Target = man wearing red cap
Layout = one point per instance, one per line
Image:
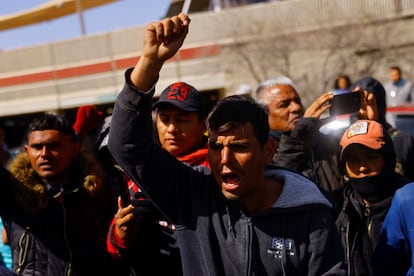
(368, 160)
(180, 116)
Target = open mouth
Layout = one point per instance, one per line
(230, 181)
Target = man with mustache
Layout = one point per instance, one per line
(282, 101)
(301, 147)
(240, 218)
(56, 205)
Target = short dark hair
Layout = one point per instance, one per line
(397, 68)
(345, 77)
(48, 121)
(235, 110)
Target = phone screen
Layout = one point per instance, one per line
(345, 103)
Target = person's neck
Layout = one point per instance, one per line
(57, 182)
(399, 82)
(265, 197)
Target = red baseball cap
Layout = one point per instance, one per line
(365, 132)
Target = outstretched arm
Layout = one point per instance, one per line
(161, 41)
(131, 133)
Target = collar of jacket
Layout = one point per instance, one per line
(196, 158)
(31, 192)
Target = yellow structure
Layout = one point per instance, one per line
(48, 11)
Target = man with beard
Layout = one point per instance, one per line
(56, 205)
(240, 218)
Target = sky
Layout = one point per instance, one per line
(105, 18)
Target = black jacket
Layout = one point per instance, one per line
(307, 151)
(359, 225)
(404, 150)
(57, 232)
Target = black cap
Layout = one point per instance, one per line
(183, 96)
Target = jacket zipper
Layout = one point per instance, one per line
(367, 213)
(68, 271)
(24, 242)
(249, 246)
(348, 249)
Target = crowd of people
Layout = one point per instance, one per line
(250, 187)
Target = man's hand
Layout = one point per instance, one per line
(131, 218)
(319, 106)
(368, 110)
(162, 40)
(126, 224)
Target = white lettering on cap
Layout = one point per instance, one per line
(358, 128)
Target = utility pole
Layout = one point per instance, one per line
(79, 11)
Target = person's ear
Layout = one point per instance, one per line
(270, 149)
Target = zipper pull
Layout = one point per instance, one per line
(367, 211)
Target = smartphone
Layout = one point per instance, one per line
(122, 185)
(345, 102)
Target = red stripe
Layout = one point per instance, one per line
(35, 77)
(77, 71)
(83, 70)
(193, 53)
(402, 108)
(125, 62)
